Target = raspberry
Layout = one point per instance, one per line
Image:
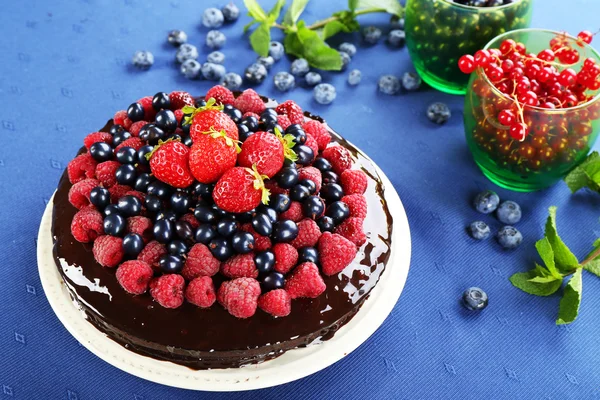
(201, 292)
(178, 118)
(190, 219)
(251, 114)
(152, 253)
(79, 194)
(119, 117)
(221, 94)
(286, 257)
(96, 137)
(134, 276)
(200, 262)
(142, 226)
(167, 290)
(105, 173)
(352, 229)
(249, 100)
(149, 111)
(318, 131)
(239, 296)
(275, 189)
(335, 253)
(118, 191)
(240, 266)
(312, 143)
(135, 128)
(313, 174)
(180, 100)
(305, 281)
(261, 243)
(283, 121)
(87, 225)
(81, 167)
(276, 302)
(357, 205)
(139, 195)
(339, 157)
(294, 213)
(354, 181)
(127, 123)
(134, 142)
(292, 110)
(108, 250)
(308, 234)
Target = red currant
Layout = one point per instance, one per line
(535, 87)
(548, 105)
(494, 72)
(594, 70)
(516, 73)
(570, 100)
(503, 87)
(520, 47)
(541, 130)
(538, 141)
(583, 129)
(518, 131)
(466, 64)
(482, 58)
(529, 98)
(526, 151)
(507, 46)
(593, 85)
(546, 153)
(507, 117)
(532, 70)
(559, 144)
(544, 74)
(523, 85)
(589, 62)
(508, 65)
(567, 77)
(585, 36)
(546, 55)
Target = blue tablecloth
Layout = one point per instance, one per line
(64, 71)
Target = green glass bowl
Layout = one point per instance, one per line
(438, 32)
(558, 139)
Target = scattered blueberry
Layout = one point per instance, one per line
(191, 69)
(177, 37)
(215, 39)
(299, 67)
(177, 247)
(267, 61)
(142, 59)
(479, 230)
(326, 224)
(354, 77)
(348, 48)
(272, 281)
(287, 178)
(212, 18)
(389, 84)
(265, 261)
(101, 151)
(411, 81)
(371, 34)
(135, 112)
(284, 81)
(163, 230)
(129, 206)
(242, 242)
(165, 120)
(276, 50)
(345, 60)
(220, 249)
(262, 224)
(232, 81)
(284, 231)
(308, 254)
(100, 197)
(132, 244)
(438, 113)
(486, 202)
(227, 227)
(509, 212)
(338, 211)
(324, 93)
(474, 299)
(213, 72)
(114, 224)
(255, 73)
(216, 57)
(126, 175)
(230, 12)
(331, 192)
(171, 264)
(396, 38)
(186, 52)
(312, 78)
(396, 22)
(205, 233)
(509, 237)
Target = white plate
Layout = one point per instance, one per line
(292, 365)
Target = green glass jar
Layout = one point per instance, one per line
(557, 139)
(438, 32)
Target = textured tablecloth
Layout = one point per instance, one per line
(64, 71)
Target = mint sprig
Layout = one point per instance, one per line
(559, 263)
(587, 174)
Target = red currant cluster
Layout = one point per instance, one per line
(516, 125)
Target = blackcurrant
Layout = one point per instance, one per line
(114, 225)
(233, 113)
(203, 190)
(177, 247)
(126, 175)
(284, 231)
(265, 261)
(205, 233)
(171, 264)
(167, 215)
(262, 224)
(116, 128)
(242, 242)
(313, 207)
(331, 192)
(100, 197)
(287, 177)
(132, 244)
(308, 254)
(165, 120)
(268, 211)
(338, 211)
(299, 136)
(110, 210)
(329, 177)
(152, 203)
(299, 193)
(120, 138)
(159, 189)
(205, 214)
(101, 151)
(163, 230)
(322, 164)
(161, 101)
(272, 281)
(280, 203)
(326, 224)
(227, 227)
(312, 187)
(180, 202)
(155, 134)
(141, 154)
(135, 112)
(305, 154)
(142, 182)
(184, 230)
(129, 206)
(251, 122)
(244, 132)
(220, 249)
(126, 155)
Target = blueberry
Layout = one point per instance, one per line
(161, 101)
(389, 84)
(180, 202)
(411, 81)
(100, 197)
(110, 210)
(348, 48)
(267, 61)
(212, 18)
(396, 38)
(213, 72)
(486, 202)
(371, 34)
(299, 67)
(244, 132)
(191, 69)
(142, 182)
(255, 73)
(305, 154)
(479, 230)
(126, 175)
(186, 52)
(166, 215)
(331, 192)
(220, 249)
(308, 254)
(297, 132)
(126, 155)
(279, 202)
(438, 113)
(474, 299)
(216, 57)
(299, 193)
(116, 128)
(268, 211)
(215, 40)
(272, 281)
(354, 77)
(205, 233)
(242, 242)
(509, 212)
(313, 207)
(163, 230)
(345, 60)
(177, 247)
(287, 178)
(322, 164)
(284, 81)
(171, 264)
(230, 12)
(262, 224)
(329, 177)
(129, 206)
(509, 237)
(159, 189)
(326, 224)
(232, 81)
(227, 227)
(101, 151)
(184, 230)
(312, 78)
(324, 93)
(276, 50)
(142, 59)
(114, 225)
(284, 231)
(251, 122)
(205, 214)
(177, 37)
(265, 261)
(165, 120)
(135, 112)
(396, 22)
(204, 190)
(338, 211)
(132, 244)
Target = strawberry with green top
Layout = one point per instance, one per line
(202, 119)
(212, 154)
(240, 189)
(169, 163)
(267, 151)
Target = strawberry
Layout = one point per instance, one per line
(240, 190)
(180, 100)
(249, 101)
(211, 155)
(292, 110)
(267, 151)
(207, 118)
(169, 163)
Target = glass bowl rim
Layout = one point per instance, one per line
(480, 9)
(536, 108)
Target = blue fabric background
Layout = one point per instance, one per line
(64, 72)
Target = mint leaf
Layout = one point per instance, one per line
(293, 45)
(260, 39)
(249, 25)
(332, 28)
(276, 10)
(526, 281)
(586, 174)
(255, 10)
(389, 6)
(593, 267)
(352, 4)
(293, 13)
(316, 51)
(565, 260)
(569, 304)
(545, 251)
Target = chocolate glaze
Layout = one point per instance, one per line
(212, 338)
